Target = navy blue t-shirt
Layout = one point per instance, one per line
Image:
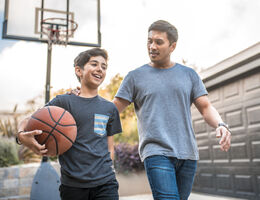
(87, 163)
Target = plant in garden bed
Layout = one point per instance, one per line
(8, 152)
(127, 158)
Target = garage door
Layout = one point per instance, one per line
(237, 172)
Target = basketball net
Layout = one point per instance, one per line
(58, 33)
(55, 36)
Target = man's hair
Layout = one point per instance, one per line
(85, 56)
(164, 26)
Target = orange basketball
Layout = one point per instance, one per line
(58, 127)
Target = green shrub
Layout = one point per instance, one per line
(8, 152)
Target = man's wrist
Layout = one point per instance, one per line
(17, 137)
(224, 125)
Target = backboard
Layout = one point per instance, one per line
(23, 20)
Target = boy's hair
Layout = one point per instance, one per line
(85, 56)
(164, 26)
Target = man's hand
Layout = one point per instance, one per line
(225, 138)
(75, 91)
(28, 139)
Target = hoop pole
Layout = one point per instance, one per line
(48, 74)
(48, 83)
(68, 9)
(99, 22)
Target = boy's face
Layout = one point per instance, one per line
(94, 72)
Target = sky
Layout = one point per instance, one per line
(209, 32)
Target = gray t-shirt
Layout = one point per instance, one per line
(87, 163)
(162, 100)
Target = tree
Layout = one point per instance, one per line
(128, 117)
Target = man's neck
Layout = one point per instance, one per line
(88, 92)
(162, 65)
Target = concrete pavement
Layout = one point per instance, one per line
(193, 196)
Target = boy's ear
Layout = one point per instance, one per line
(78, 71)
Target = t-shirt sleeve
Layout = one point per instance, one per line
(55, 102)
(126, 90)
(114, 124)
(199, 88)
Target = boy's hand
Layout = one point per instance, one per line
(28, 139)
(225, 135)
(75, 91)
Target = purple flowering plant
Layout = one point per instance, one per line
(127, 158)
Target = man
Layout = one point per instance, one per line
(162, 92)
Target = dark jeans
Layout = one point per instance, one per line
(170, 178)
(108, 191)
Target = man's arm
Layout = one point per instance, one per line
(28, 139)
(121, 104)
(212, 117)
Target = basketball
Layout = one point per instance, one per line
(58, 127)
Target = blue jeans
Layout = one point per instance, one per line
(170, 178)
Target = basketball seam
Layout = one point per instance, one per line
(55, 139)
(60, 118)
(54, 128)
(51, 127)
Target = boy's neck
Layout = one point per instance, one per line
(88, 92)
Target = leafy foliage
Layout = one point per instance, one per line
(128, 117)
(8, 127)
(34, 104)
(27, 155)
(59, 92)
(127, 158)
(8, 152)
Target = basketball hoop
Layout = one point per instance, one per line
(58, 30)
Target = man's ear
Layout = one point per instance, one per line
(173, 46)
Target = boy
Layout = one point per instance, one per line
(86, 168)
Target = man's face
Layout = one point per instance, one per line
(94, 72)
(159, 47)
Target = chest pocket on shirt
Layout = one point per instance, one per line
(100, 124)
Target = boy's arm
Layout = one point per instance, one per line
(28, 139)
(110, 142)
(121, 104)
(212, 117)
